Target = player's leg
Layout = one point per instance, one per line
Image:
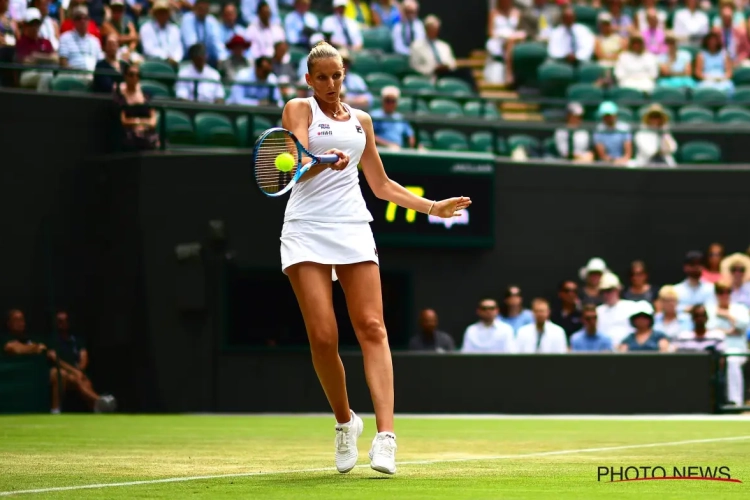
(364, 300)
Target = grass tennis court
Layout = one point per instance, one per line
(292, 457)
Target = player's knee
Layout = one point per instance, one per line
(371, 329)
(323, 339)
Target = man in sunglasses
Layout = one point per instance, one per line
(589, 339)
(567, 311)
(391, 130)
(79, 49)
(693, 291)
(489, 334)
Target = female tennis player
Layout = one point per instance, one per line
(326, 235)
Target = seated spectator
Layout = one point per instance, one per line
(573, 137)
(110, 70)
(736, 268)
(385, 13)
(408, 29)
(670, 320)
(729, 317)
(431, 56)
(344, 30)
(198, 81)
(137, 116)
(589, 339)
(300, 24)
(636, 68)
(609, 43)
(230, 25)
(653, 142)
(359, 11)
(539, 19)
(690, 24)
(693, 291)
(263, 33)
(79, 49)
(429, 337)
(733, 36)
(613, 141)
(302, 68)
(713, 68)
(34, 50)
(614, 313)
(654, 35)
(391, 130)
(257, 86)
(736, 16)
(69, 23)
(676, 66)
(639, 288)
(639, 20)
(138, 8)
(714, 256)
(512, 311)
(122, 27)
(236, 61)
(284, 71)
(644, 338)
(201, 27)
(503, 33)
(591, 276)
(541, 336)
(621, 21)
(488, 335)
(8, 28)
(160, 39)
(571, 42)
(50, 28)
(567, 311)
(249, 10)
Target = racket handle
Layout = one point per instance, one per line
(328, 158)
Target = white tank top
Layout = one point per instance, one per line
(331, 196)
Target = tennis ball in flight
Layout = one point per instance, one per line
(284, 162)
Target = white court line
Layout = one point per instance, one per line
(503, 416)
(331, 469)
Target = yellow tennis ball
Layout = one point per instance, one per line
(284, 162)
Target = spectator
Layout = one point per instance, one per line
(613, 141)
(385, 13)
(201, 27)
(653, 142)
(122, 27)
(160, 39)
(488, 335)
(571, 42)
(693, 291)
(734, 37)
(137, 117)
(302, 68)
(676, 66)
(344, 31)
(50, 28)
(644, 338)
(539, 19)
(230, 25)
(639, 288)
(79, 49)
(541, 336)
(591, 276)
(690, 24)
(736, 268)
(34, 50)
(736, 17)
(614, 314)
(257, 86)
(69, 23)
(198, 81)
(391, 130)
(670, 320)
(17, 10)
(354, 91)
(284, 71)
(503, 33)
(236, 61)
(654, 34)
(300, 24)
(636, 68)
(249, 10)
(639, 20)
(8, 28)
(512, 311)
(263, 33)
(567, 312)
(110, 70)
(714, 256)
(573, 137)
(589, 339)
(430, 338)
(609, 43)
(621, 21)
(409, 29)
(713, 68)
(431, 56)
(138, 8)
(359, 11)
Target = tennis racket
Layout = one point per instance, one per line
(273, 142)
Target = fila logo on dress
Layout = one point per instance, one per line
(359, 129)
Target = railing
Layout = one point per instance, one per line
(721, 381)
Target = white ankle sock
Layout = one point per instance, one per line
(387, 434)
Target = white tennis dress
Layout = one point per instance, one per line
(326, 219)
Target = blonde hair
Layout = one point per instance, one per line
(322, 50)
(668, 292)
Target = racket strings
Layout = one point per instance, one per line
(269, 178)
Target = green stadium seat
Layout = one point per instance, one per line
(699, 152)
(695, 114)
(554, 78)
(410, 105)
(377, 39)
(452, 140)
(642, 111)
(502, 147)
(733, 114)
(64, 83)
(395, 64)
(445, 107)
(669, 96)
(590, 72)
(527, 57)
(709, 97)
(530, 143)
(155, 89)
(625, 114)
(260, 125)
(481, 142)
(454, 86)
(364, 63)
(214, 129)
(587, 15)
(179, 128)
(159, 71)
(625, 95)
(476, 109)
(549, 147)
(741, 95)
(584, 92)
(377, 81)
(296, 54)
(741, 76)
(417, 84)
(424, 138)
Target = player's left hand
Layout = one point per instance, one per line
(450, 207)
(343, 159)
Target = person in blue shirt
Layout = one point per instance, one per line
(201, 27)
(613, 140)
(589, 339)
(693, 290)
(230, 26)
(391, 130)
(644, 338)
(265, 92)
(512, 311)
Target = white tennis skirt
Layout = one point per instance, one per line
(327, 243)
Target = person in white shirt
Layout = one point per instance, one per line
(653, 143)
(637, 68)
(160, 38)
(300, 24)
(263, 34)
(264, 94)
(693, 290)
(408, 29)
(344, 31)
(78, 48)
(488, 335)
(690, 24)
(575, 136)
(614, 314)
(542, 336)
(431, 56)
(206, 84)
(571, 42)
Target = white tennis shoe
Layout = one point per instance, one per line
(383, 453)
(346, 443)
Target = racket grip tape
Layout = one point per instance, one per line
(328, 158)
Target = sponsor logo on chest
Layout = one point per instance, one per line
(324, 129)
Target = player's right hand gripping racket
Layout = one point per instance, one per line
(272, 143)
